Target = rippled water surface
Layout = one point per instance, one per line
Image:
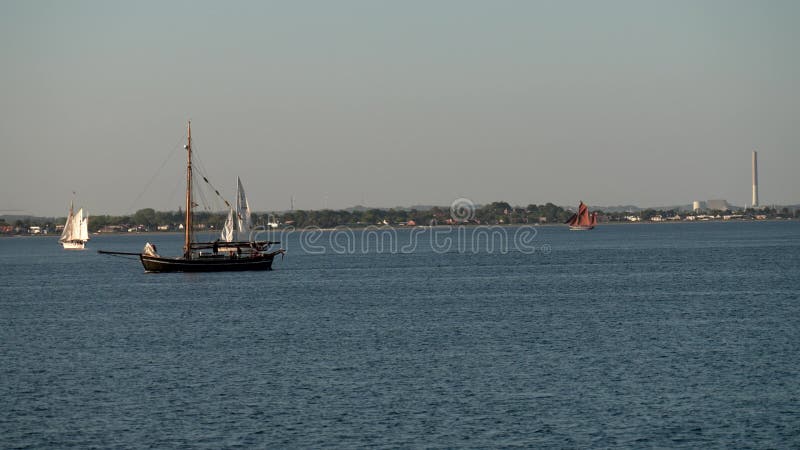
(630, 335)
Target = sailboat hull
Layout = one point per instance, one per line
(73, 245)
(581, 228)
(207, 264)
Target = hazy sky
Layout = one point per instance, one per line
(339, 103)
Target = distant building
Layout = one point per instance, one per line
(697, 205)
(717, 205)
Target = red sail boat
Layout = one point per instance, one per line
(582, 220)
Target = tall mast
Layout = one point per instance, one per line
(187, 239)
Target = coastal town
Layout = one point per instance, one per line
(496, 213)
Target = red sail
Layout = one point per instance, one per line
(572, 220)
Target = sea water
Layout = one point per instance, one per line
(661, 335)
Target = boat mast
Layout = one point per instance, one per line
(187, 239)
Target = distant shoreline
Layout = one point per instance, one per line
(391, 227)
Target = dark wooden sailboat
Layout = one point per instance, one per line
(249, 256)
(206, 256)
(582, 220)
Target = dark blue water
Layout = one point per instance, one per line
(674, 335)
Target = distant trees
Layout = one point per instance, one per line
(99, 222)
(548, 212)
(146, 217)
(495, 212)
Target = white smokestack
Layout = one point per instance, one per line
(755, 179)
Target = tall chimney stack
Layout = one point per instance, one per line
(755, 179)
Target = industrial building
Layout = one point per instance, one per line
(717, 205)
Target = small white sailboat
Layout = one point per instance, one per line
(76, 230)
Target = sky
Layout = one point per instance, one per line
(402, 103)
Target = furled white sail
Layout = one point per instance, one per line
(227, 230)
(242, 208)
(150, 250)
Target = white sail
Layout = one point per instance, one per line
(66, 235)
(227, 230)
(84, 236)
(77, 219)
(242, 209)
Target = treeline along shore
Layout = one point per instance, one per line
(495, 213)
